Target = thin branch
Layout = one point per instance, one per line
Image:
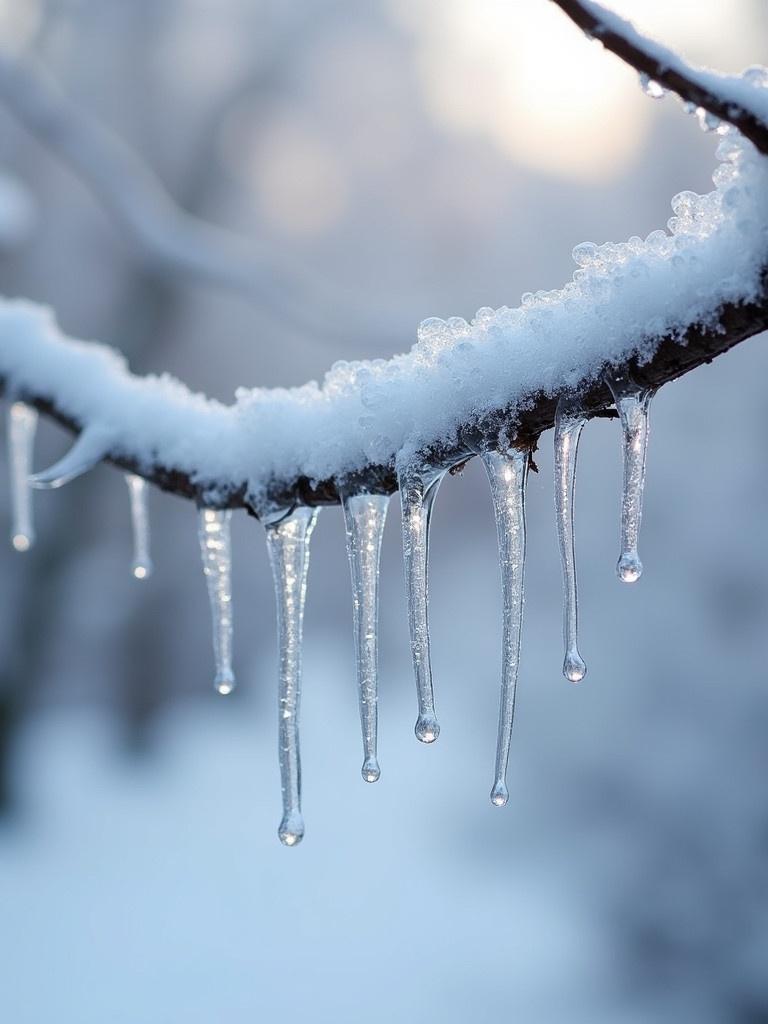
(725, 96)
(171, 241)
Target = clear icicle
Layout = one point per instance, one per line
(216, 550)
(138, 492)
(633, 405)
(418, 488)
(22, 423)
(569, 422)
(288, 546)
(508, 475)
(364, 518)
(87, 451)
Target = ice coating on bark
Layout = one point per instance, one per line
(364, 519)
(569, 422)
(418, 489)
(138, 493)
(22, 424)
(633, 406)
(507, 474)
(216, 551)
(288, 546)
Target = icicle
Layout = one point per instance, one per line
(22, 423)
(418, 488)
(508, 475)
(138, 493)
(364, 518)
(632, 404)
(288, 546)
(216, 549)
(87, 451)
(569, 421)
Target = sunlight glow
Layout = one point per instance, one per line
(521, 75)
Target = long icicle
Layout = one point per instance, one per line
(138, 492)
(216, 551)
(364, 519)
(508, 475)
(418, 488)
(569, 422)
(22, 424)
(633, 406)
(288, 546)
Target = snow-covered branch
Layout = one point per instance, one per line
(729, 98)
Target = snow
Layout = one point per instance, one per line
(622, 298)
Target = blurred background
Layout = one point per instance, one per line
(371, 165)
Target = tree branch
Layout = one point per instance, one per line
(727, 97)
(710, 326)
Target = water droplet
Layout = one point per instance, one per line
(291, 830)
(651, 87)
(500, 794)
(427, 728)
(370, 770)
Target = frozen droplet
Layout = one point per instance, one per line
(756, 75)
(418, 488)
(569, 422)
(499, 794)
(288, 547)
(633, 406)
(22, 424)
(87, 451)
(651, 87)
(138, 492)
(708, 122)
(216, 551)
(364, 519)
(507, 474)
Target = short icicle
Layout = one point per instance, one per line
(418, 488)
(138, 491)
(364, 518)
(632, 405)
(22, 424)
(216, 551)
(508, 474)
(86, 453)
(288, 546)
(569, 422)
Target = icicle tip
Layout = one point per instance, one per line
(574, 668)
(629, 568)
(142, 570)
(21, 541)
(427, 729)
(224, 683)
(499, 794)
(291, 830)
(370, 770)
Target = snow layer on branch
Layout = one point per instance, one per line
(746, 90)
(623, 298)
